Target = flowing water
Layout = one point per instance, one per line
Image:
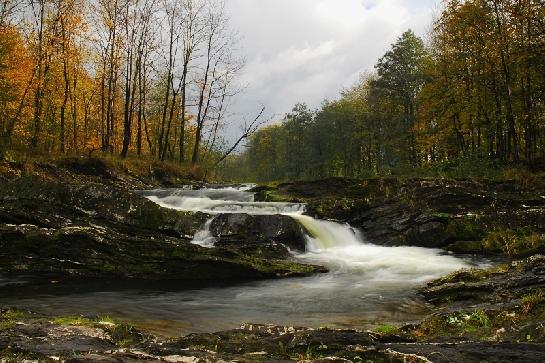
(367, 284)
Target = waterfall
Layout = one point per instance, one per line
(218, 201)
(325, 235)
(204, 237)
(338, 246)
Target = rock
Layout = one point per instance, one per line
(471, 352)
(259, 229)
(481, 312)
(48, 204)
(422, 212)
(89, 252)
(327, 360)
(80, 339)
(94, 229)
(502, 284)
(330, 345)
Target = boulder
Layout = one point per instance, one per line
(503, 284)
(245, 229)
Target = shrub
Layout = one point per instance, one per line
(513, 243)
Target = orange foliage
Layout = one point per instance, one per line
(16, 69)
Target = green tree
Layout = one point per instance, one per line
(400, 79)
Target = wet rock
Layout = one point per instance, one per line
(471, 352)
(89, 252)
(48, 204)
(327, 360)
(259, 229)
(26, 334)
(96, 229)
(330, 345)
(422, 212)
(503, 284)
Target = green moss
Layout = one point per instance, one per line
(472, 237)
(9, 317)
(277, 196)
(122, 335)
(386, 329)
(471, 275)
(74, 320)
(465, 247)
(280, 267)
(442, 215)
(12, 314)
(467, 228)
(478, 319)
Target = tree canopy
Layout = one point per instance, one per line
(150, 78)
(475, 92)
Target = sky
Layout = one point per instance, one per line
(309, 50)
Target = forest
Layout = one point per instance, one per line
(469, 98)
(149, 78)
(154, 79)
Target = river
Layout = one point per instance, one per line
(367, 284)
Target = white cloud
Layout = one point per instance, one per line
(308, 50)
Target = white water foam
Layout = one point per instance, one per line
(216, 201)
(204, 237)
(343, 248)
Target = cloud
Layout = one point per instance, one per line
(308, 50)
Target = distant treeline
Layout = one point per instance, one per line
(476, 92)
(150, 78)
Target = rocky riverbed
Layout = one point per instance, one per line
(78, 219)
(493, 315)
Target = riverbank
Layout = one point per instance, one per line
(81, 219)
(493, 315)
(487, 217)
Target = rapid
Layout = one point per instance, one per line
(338, 246)
(367, 285)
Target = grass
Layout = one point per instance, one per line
(530, 301)
(514, 243)
(469, 322)
(312, 352)
(9, 317)
(478, 324)
(103, 163)
(124, 335)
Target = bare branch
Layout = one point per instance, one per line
(248, 131)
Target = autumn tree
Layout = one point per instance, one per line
(16, 78)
